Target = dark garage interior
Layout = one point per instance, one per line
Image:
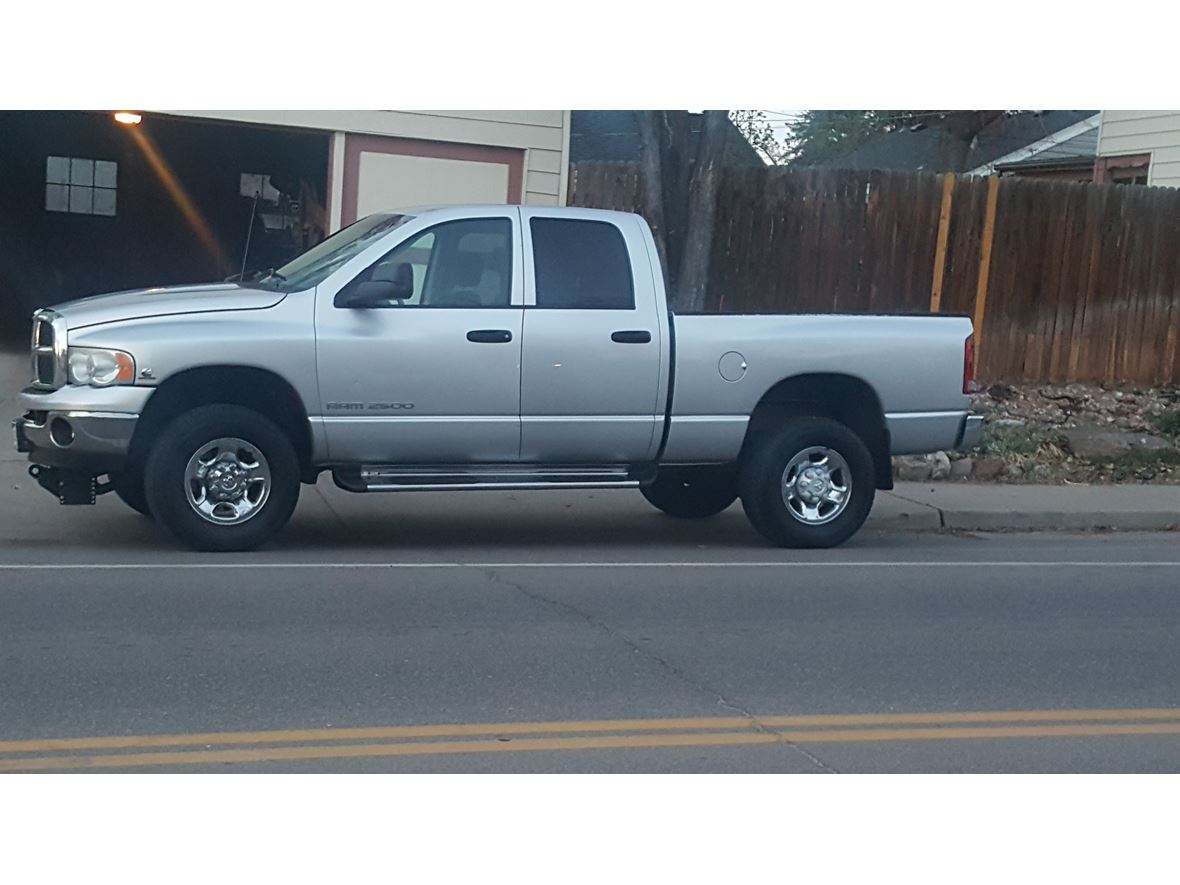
(89, 205)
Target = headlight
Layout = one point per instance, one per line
(100, 368)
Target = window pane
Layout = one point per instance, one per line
(57, 170)
(318, 262)
(581, 265)
(57, 198)
(82, 200)
(104, 201)
(105, 173)
(455, 264)
(471, 265)
(415, 253)
(81, 171)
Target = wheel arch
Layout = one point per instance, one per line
(255, 388)
(848, 399)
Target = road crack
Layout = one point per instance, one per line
(934, 507)
(340, 519)
(672, 669)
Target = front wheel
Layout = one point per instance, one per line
(691, 492)
(128, 486)
(807, 483)
(222, 478)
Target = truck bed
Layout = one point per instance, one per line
(914, 364)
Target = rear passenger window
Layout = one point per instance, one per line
(581, 265)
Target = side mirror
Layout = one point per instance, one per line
(368, 294)
(398, 286)
(403, 281)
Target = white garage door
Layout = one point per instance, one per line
(380, 173)
(389, 181)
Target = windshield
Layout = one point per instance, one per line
(314, 265)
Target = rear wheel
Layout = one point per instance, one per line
(808, 483)
(222, 478)
(692, 492)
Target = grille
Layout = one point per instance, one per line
(44, 333)
(45, 366)
(48, 350)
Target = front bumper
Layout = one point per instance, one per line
(971, 433)
(101, 419)
(84, 441)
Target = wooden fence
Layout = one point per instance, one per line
(1066, 282)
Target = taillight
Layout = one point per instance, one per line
(969, 364)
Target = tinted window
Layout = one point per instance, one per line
(455, 264)
(581, 265)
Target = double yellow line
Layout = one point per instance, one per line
(219, 748)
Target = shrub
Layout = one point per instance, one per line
(1016, 441)
(1168, 423)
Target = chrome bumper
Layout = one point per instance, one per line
(82, 440)
(971, 433)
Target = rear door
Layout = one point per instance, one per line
(593, 341)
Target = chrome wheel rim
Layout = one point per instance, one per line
(227, 481)
(816, 485)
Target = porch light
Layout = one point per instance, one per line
(127, 118)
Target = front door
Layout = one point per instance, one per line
(432, 378)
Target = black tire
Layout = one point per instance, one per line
(128, 486)
(692, 492)
(761, 476)
(164, 477)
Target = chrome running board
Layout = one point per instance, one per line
(505, 477)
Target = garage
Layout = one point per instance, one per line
(99, 201)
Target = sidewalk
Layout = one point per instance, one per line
(997, 507)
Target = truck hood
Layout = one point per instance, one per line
(165, 301)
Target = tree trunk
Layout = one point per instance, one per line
(693, 278)
(677, 149)
(651, 175)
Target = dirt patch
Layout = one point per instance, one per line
(1068, 433)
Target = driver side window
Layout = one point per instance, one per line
(455, 264)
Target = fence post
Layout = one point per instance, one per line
(985, 261)
(944, 228)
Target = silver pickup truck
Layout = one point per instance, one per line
(493, 347)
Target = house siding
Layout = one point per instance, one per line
(542, 135)
(1144, 132)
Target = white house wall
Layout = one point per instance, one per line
(543, 135)
(1144, 132)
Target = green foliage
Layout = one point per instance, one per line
(758, 131)
(1017, 441)
(1143, 464)
(816, 135)
(1168, 423)
(819, 135)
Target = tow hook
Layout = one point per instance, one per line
(68, 486)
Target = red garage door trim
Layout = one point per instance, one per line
(354, 145)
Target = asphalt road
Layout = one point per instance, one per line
(576, 632)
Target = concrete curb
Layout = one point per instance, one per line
(893, 513)
(990, 507)
(969, 520)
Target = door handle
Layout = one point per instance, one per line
(631, 337)
(489, 336)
